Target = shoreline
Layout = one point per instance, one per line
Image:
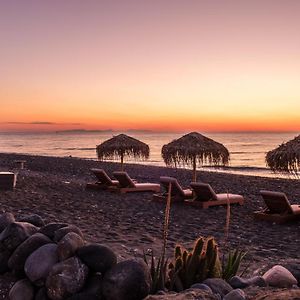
(236, 170)
(54, 188)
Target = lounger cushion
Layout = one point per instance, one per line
(103, 178)
(124, 179)
(203, 191)
(231, 197)
(276, 202)
(176, 189)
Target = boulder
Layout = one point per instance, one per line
(50, 229)
(60, 233)
(17, 260)
(41, 294)
(4, 257)
(128, 279)
(294, 268)
(218, 286)
(66, 278)
(5, 219)
(22, 290)
(15, 233)
(237, 294)
(91, 290)
(34, 219)
(40, 262)
(201, 286)
(97, 257)
(239, 283)
(68, 245)
(278, 276)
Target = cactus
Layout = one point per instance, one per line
(195, 266)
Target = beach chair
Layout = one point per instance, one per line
(178, 194)
(127, 184)
(103, 180)
(278, 210)
(205, 196)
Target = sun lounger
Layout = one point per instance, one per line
(204, 196)
(103, 180)
(178, 194)
(279, 210)
(126, 184)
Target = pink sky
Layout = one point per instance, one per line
(176, 65)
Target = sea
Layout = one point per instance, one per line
(247, 150)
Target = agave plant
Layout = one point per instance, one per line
(231, 264)
(158, 271)
(195, 266)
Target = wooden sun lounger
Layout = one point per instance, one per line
(279, 210)
(205, 196)
(103, 180)
(126, 184)
(178, 194)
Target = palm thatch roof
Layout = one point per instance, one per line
(195, 147)
(122, 145)
(286, 157)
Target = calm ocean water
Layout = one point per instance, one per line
(247, 150)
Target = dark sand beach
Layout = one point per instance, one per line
(54, 188)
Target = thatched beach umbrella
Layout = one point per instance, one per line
(194, 148)
(120, 146)
(286, 157)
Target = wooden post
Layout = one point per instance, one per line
(194, 169)
(122, 158)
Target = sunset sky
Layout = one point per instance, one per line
(147, 64)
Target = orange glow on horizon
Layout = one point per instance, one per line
(170, 66)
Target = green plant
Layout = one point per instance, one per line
(232, 263)
(195, 266)
(158, 271)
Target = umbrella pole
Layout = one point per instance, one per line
(194, 170)
(122, 167)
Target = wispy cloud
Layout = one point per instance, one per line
(39, 123)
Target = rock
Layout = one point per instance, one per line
(15, 233)
(239, 283)
(97, 257)
(190, 294)
(34, 219)
(4, 257)
(68, 245)
(218, 286)
(41, 294)
(237, 294)
(201, 286)
(294, 268)
(17, 260)
(60, 233)
(5, 219)
(22, 290)
(91, 290)
(128, 279)
(40, 262)
(83, 296)
(278, 276)
(50, 229)
(66, 278)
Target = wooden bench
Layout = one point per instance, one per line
(7, 180)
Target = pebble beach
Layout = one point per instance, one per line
(54, 188)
